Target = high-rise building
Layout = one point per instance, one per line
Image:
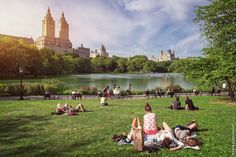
(48, 40)
(164, 56)
(102, 52)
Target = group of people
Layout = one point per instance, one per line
(159, 93)
(176, 104)
(68, 109)
(116, 92)
(181, 136)
(76, 95)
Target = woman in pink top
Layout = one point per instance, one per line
(149, 121)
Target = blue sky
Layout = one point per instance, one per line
(125, 27)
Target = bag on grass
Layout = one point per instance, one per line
(138, 137)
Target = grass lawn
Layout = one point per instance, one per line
(28, 129)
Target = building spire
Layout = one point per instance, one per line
(48, 13)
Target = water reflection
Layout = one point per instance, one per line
(138, 81)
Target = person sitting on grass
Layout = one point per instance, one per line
(149, 124)
(149, 121)
(189, 104)
(176, 105)
(80, 108)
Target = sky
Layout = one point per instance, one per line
(125, 27)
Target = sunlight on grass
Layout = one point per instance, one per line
(28, 128)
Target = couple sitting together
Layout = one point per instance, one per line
(176, 104)
(68, 109)
(178, 138)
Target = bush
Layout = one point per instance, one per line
(2, 89)
(84, 90)
(174, 88)
(54, 86)
(13, 89)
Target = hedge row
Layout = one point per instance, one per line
(39, 88)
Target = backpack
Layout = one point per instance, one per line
(138, 137)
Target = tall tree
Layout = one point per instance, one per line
(218, 27)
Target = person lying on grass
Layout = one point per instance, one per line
(186, 134)
(68, 109)
(59, 110)
(80, 108)
(72, 111)
(165, 138)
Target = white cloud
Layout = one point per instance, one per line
(188, 46)
(151, 25)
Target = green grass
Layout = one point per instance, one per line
(28, 129)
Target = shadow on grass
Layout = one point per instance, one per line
(14, 133)
(14, 129)
(22, 136)
(223, 100)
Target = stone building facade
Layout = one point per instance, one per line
(164, 56)
(48, 40)
(82, 51)
(102, 52)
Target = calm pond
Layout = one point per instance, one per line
(138, 81)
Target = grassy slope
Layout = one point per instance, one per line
(28, 129)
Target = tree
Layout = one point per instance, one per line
(149, 66)
(163, 66)
(121, 65)
(217, 25)
(136, 63)
(83, 65)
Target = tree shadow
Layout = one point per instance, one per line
(15, 130)
(17, 138)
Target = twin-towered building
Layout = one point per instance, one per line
(49, 40)
(61, 44)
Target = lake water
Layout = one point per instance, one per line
(138, 81)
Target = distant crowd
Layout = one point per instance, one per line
(115, 92)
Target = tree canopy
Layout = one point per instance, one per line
(217, 25)
(44, 62)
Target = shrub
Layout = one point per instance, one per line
(175, 88)
(53, 86)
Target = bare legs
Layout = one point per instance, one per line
(80, 108)
(166, 126)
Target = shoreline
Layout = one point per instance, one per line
(84, 97)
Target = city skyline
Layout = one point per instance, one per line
(125, 27)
